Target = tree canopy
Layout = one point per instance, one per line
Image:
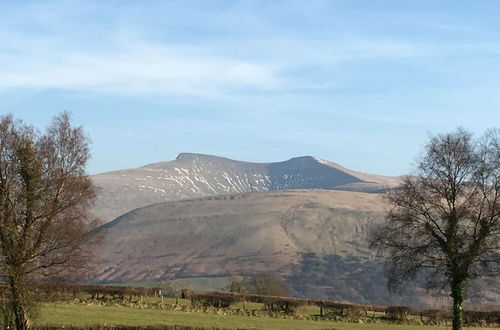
(44, 201)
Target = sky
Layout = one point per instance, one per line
(360, 83)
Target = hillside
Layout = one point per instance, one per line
(317, 239)
(196, 175)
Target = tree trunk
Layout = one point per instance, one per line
(457, 293)
(19, 310)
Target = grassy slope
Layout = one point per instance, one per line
(78, 315)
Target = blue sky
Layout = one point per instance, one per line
(360, 83)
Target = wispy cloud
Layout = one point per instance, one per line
(143, 66)
(129, 56)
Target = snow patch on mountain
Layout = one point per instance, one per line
(197, 175)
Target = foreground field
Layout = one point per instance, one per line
(58, 314)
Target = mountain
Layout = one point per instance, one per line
(202, 216)
(196, 175)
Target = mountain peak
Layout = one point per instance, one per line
(190, 156)
(303, 158)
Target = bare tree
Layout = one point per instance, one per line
(235, 283)
(266, 283)
(445, 220)
(44, 202)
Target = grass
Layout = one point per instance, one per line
(80, 315)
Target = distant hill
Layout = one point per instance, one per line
(196, 175)
(317, 239)
(238, 233)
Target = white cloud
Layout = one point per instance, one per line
(135, 67)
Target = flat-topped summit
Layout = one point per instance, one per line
(187, 156)
(193, 175)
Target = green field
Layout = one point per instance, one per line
(60, 314)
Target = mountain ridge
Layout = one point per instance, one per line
(193, 175)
